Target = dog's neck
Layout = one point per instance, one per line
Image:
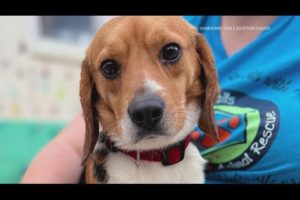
(169, 155)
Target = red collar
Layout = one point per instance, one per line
(168, 156)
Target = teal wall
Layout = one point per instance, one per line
(20, 141)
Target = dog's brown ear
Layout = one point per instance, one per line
(88, 98)
(209, 80)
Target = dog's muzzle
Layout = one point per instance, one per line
(146, 111)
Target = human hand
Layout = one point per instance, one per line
(60, 160)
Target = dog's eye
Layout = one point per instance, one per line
(110, 68)
(170, 53)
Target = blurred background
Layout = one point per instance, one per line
(40, 60)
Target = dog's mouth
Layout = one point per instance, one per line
(142, 135)
(150, 137)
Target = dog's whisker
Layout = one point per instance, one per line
(176, 105)
(113, 127)
(188, 109)
(178, 113)
(185, 119)
(179, 118)
(108, 123)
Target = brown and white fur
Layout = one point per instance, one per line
(188, 89)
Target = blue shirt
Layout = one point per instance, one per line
(258, 110)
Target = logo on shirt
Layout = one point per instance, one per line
(247, 127)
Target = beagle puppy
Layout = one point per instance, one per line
(148, 80)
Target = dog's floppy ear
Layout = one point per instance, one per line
(88, 98)
(209, 80)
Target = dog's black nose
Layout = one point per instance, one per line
(146, 111)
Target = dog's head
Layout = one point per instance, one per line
(148, 81)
